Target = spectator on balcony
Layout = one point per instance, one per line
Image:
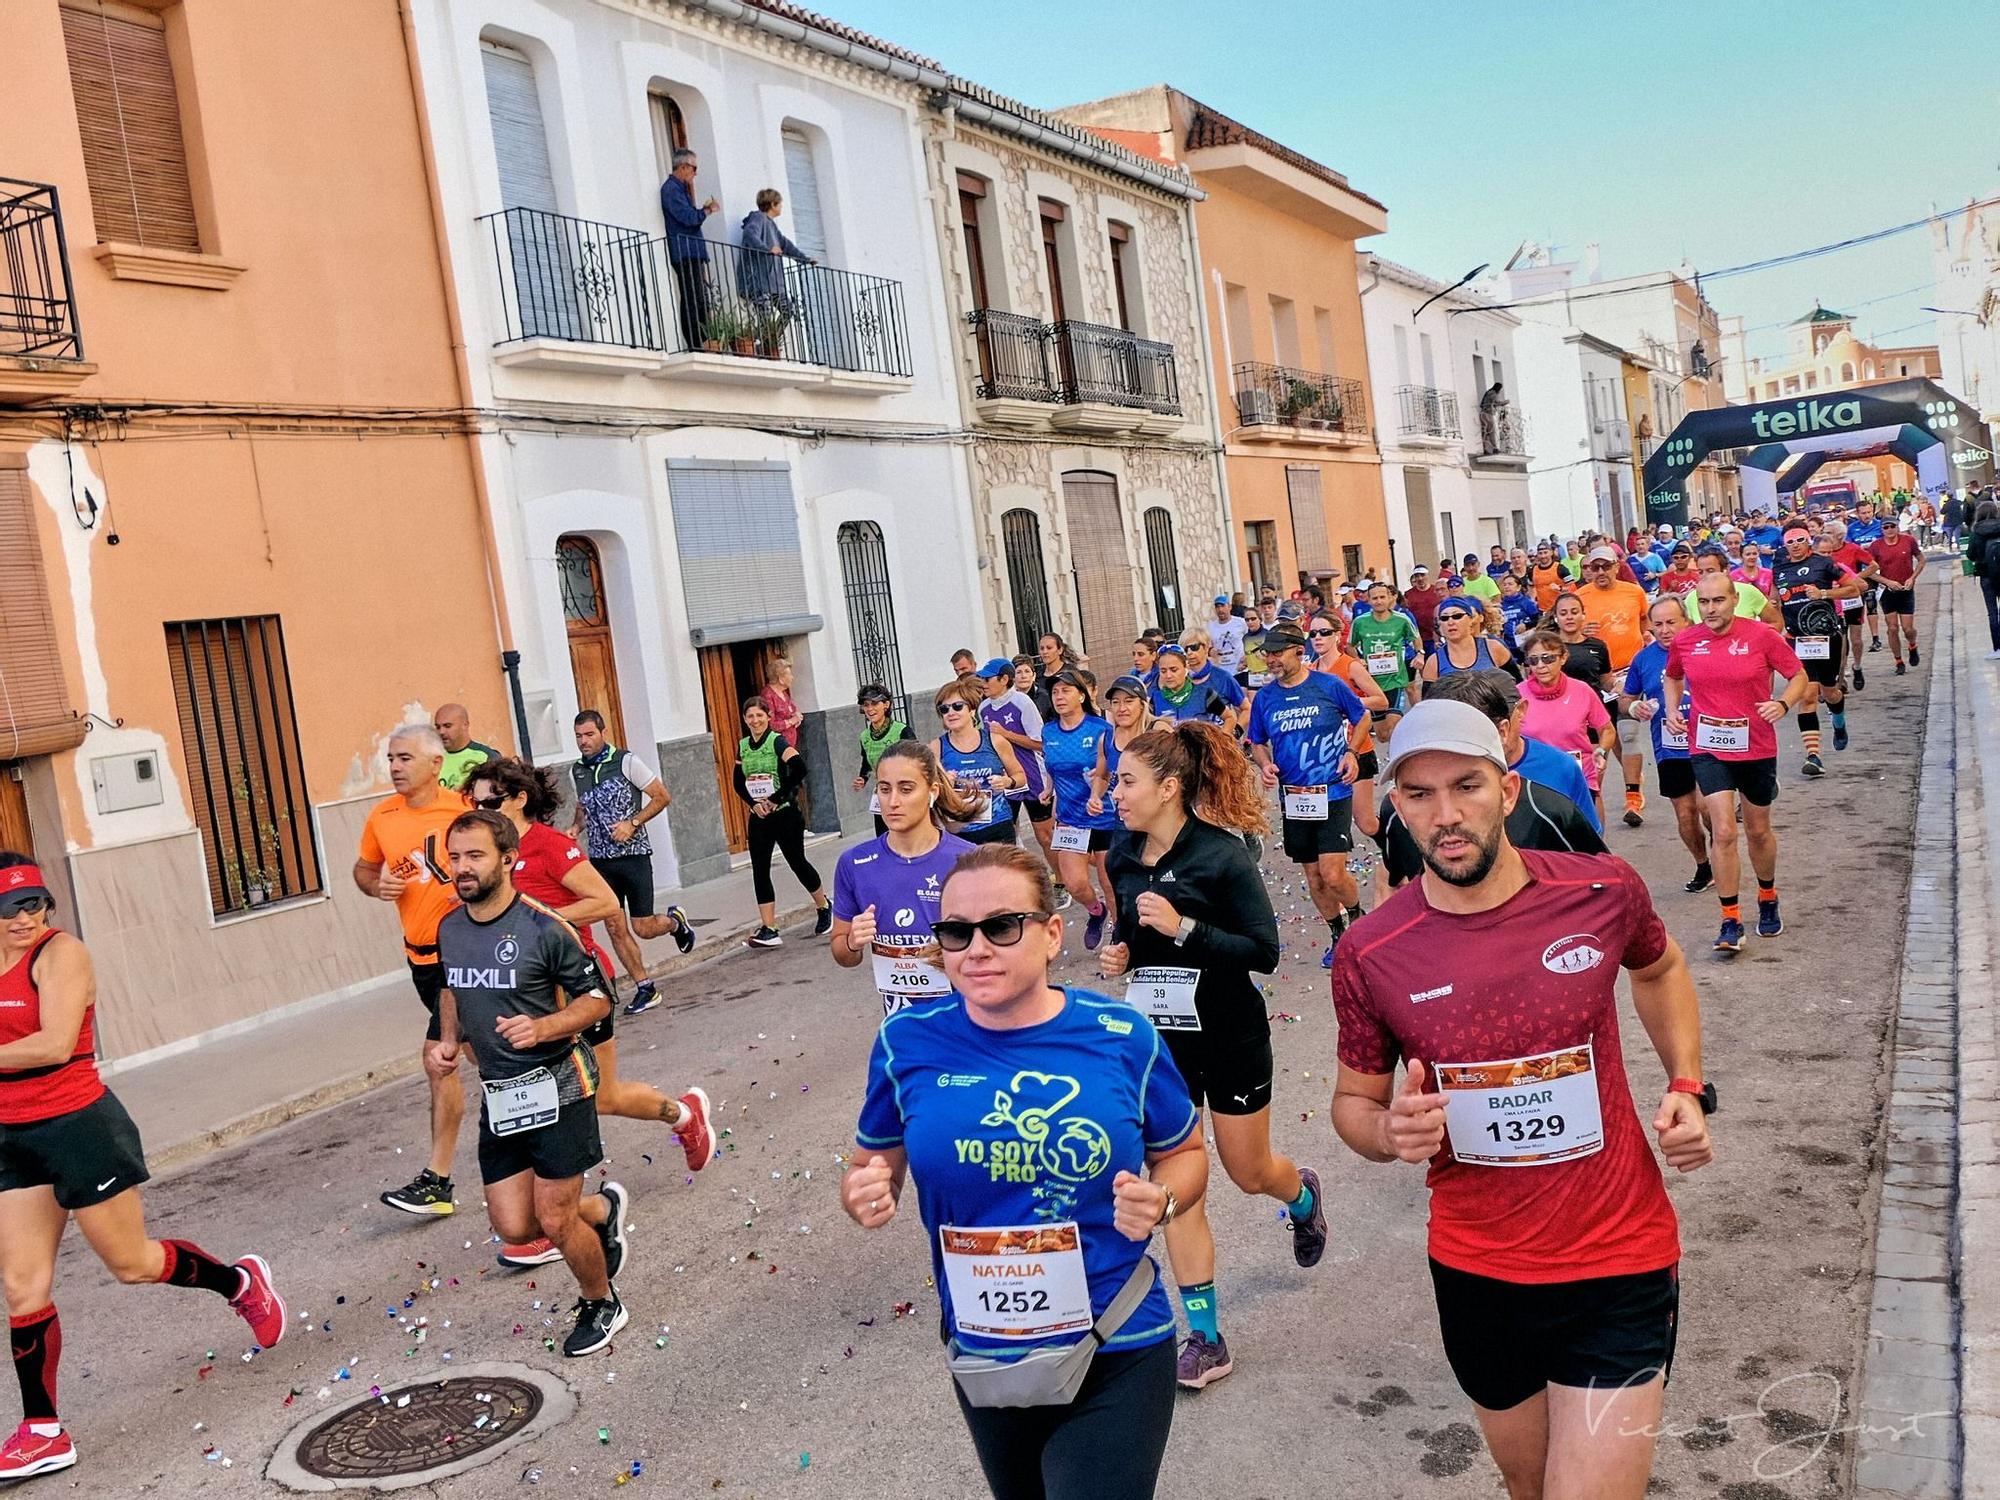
(760, 274)
(687, 250)
(1496, 414)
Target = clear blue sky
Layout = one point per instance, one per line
(1724, 131)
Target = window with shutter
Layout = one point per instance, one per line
(1101, 565)
(520, 144)
(35, 713)
(736, 525)
(802, 204)
(129, 116)
(1309, 539)
(670, 131)
(1027, 582)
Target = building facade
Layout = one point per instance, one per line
(1823, 353)
(239, 530)
(702, 459)
(1965, 297)
(1277, 233)
(1454, 431)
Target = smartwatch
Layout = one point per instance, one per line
(1184, 932)
(1705, 1092)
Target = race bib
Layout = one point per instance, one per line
(1524, 1112)
(1166, 995)
(905, 975)
(1021, 1282)
(1384, 663)
(1671, 741)
(1306, 804)
(1721, 734)
(525, 1103)
(1070, 840)
(1812, 648)
(1257, 679)
(760, 788)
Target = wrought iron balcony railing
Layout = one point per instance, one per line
(1070, 363)
(1426, 411)
(37, 302)
(1014, 360)
(1267, 394)
(1503, 432)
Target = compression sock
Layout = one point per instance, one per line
(1198, 1302)
(1767, 891)
(1301, 1207)
(1352, 915)
(190, 1265)
(1809, 732)
(37, 1341)
(1839, 716)
(1732, 908)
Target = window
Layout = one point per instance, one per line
(1236, 322)
(1100, 563)
(246, 786)
(1520, 528)
(1428, 359)
(1499, 374)
(1450, 537)
(1479, 373)
(871, 611)
(971, 201)
(1052, 258)
(1260, 542)
(802, 198)
(1027, 584)
(1121, 270)
(35, 715)
(1284, 332)
(1812, 381)
(129, 114)
(1309, 538)
(1329, 359)
(1423, 517)
(1400, 337)
(1166, 569)
(1350, 562)
(737, 529)
(1846, 370)
(670, 129)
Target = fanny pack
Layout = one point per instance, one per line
(1050, 1376)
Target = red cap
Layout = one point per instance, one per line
(20, 884)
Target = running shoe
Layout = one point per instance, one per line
(1840, 736)
(1899, 669)
(1309, 1237)
(1326, 958)
(1063, 898)
(1635, 804)
(1202, 1362)
(1814, 767)
(1915, 660)
(1875, 643)
(259, 1304)
(27, 1453)
(1730, 939)
(693, 1132)
(537, 1252)
(823, 920)
(1860, 679)
(683, 929)
(598, 1320)
(644, 998)
(1701, 880)
(1093, 930)
(612, 1231)
(427, 1193)
(1769, 923)
(764, 937)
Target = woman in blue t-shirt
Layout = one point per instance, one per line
(977, 762)
(1050, 1136)
(1070, 745)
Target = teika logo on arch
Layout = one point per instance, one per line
(1805, 417)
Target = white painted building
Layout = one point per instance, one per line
(1582, 477)
(690, 468)
(1965, 297)
(1454, 473)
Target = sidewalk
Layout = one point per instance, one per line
(223, 1091)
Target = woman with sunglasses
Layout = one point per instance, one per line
(551, 871)
(1195, 923)
(769, 774)
(1565, 713)
(880, 728)
(1077, 1142)
(1178, 697)
(1459, 649)
(1072, 749)
(977, 762)
(885, 891)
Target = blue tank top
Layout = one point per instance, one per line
(971, 768)
(1071, 756)
(1482, 659)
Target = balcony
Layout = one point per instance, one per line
(1426, 416)
(599, 298)
(1072, 376)
(1613, 437)
(1503, 439)
(41, 345)
(1279, 403)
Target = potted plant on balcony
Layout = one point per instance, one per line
(718, 330)
(773, 318)
(1330, 413)
(1299, 399)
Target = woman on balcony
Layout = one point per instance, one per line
(760, 271)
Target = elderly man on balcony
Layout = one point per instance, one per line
(687, 250)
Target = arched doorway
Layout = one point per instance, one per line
(593, 662)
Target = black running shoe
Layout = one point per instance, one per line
(1309, 1234)
(1915, 660)
(764, 937)
(1899, 669)
(823, 920)
(1840, 736)
(1860, 679)
(1813, 767)
(1875, 643)
(683, 929)
(598, 1320)
(612, 1230)
(1701, 880)
(427, 1194)
(644, 998)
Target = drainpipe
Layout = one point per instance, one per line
(510, 659)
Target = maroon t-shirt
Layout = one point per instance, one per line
(1897, 559)
(1535, 976)
(1422, 603)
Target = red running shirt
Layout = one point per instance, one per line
(545, 856)
(1537, 974)
(1897, 559)
(1727, 676)
(43, 1093)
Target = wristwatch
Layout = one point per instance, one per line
(1173, 1207)
(1184, 932)
(1705, 1092)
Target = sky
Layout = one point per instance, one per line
(1721, 133)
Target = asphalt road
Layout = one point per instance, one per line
(787, 1371)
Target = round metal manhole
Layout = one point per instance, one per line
(423, 1431)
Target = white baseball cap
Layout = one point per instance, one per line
(1447, 725)
(1603, 554)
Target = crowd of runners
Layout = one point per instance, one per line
(1440, 760)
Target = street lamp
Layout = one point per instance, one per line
(1469, 275)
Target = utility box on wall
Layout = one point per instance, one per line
(124, 782)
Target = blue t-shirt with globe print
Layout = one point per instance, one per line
(1025, 1128)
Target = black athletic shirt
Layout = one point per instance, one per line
(1588, 661)
(1542, 819)
(1790, 580)
(525, 962)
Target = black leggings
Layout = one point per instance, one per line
(1990, 590)
(1105, 1445)
(785, 831)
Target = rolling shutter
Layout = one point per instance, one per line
(1102, 566)
(134, 155)
(35, 714)
(1309, 538)
(737, 530)
(520, 144)
(802, 194)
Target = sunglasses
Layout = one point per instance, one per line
(1599, 567)
(489, 804)
(1321, 634)
(953, 707)
(1443, 615)
(1543, 660)
(1002, 929)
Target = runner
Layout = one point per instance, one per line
(1204, 675)
(1072, 746)
(1681, 575)
(1864, 529)
(1565, 713)
(1547, 578)
(1458, 648)
(1805, 584)
(1518, 611)
(1029, 682)
(768, 775)
(519, 989)
(1386, 640)
(1725, 666)
(402, 859)
(1752, 603)
(1615, 613)
(1127, 704)
(1013, 717)
(1144, 651)
(1422, 601)
(1351, 668)
(1299, 729)
(1226, 634)
(461, 751)
(886, 891)
(1896, 563)
(880, 729)
(1641, 699)
(1554, 1249)
(1093, 1145)
(69, 1149)
(1177, 697)
(978, 762)
(617, 795)
(1194, 923)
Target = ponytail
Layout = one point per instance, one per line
(1216, 783)
(949, 804)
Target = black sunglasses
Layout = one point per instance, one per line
(957, 705)
(1320, 634)
(1002, 929)
(489, 804)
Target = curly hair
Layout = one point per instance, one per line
(511, 776)
(1217, 784)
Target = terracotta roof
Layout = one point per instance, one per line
(1211, 127)
(846, 33)
(1082, 135)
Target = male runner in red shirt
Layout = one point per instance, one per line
(1896, 562)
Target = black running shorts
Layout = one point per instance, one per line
(1827, 672)
(994, 833)
(1899, 601)
(429, 980)
(1368, 765)
(89, 1156)
(1231, 1071)
(1756, 781)
(1306, 839)
(630, 877)
(1040, 809)
(565, 1148)
(1676, 777)
(1507, 1340)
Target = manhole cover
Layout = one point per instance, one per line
(422, 1431)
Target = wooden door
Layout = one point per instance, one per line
(723, 696)
(593, 663)
(15, 834)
